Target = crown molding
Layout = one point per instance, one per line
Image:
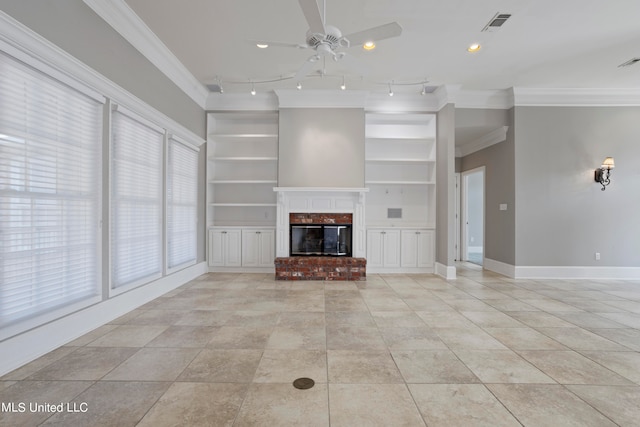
(242, 101)
(289, 98)
(578, 97)
(33, 45)
(486, 140)
(501, 99)
(129, 25)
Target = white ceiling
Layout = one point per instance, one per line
(545, 43)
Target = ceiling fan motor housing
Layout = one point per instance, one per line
(332, 38)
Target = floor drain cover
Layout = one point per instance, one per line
(303, 383)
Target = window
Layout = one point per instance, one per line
(50, 193)
(182, 204)
(136, 200)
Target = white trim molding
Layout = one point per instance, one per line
(124, 20)
(575, 272)
(499, 267)
(292, 98)
(447, 272)
(486, 140)
(578, 97)
(490, 99)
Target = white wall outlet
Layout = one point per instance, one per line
(597, 256)
(503, 206)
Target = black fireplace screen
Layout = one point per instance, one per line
(320, 240)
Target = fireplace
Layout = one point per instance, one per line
(320, 240)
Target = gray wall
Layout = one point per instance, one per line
(321, 147)
(563, 217)
(445, 185)
(74, 27)
(499, 163)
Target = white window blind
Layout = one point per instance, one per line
(50, 193)
(182, 204)
(136, 201)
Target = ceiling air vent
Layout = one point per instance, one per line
(629, 62)
(497, 21)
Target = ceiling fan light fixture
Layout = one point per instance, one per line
(370, 45)
(474, 47)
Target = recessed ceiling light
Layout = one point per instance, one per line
(262, 45)
(473, 47)
(369, 45)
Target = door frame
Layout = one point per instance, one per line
(465, 213)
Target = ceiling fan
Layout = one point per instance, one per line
(327, 40)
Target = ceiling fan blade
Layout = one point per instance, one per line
(278, 44)
(386, 31)
(313, 15)
(306, 68)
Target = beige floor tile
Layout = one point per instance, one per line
(129, 336)
(297, 338)
(581, 339)
(285, 366)
(36, 392)
(231, 366)
(569, 367)
(432, 366)
(444, 319)
(631, 320)
(524, 339)
(619, 403)
(460, 405)
(349, 318)
(492, 319)
(91, 336)
(38, 364)
(354, 338)
(252, 319)
(547, 405)
(423, 338)
(348, 304)
(369, 367)
(501, 366)
(540, 319)
(468, 338)
(628, 338)
(184, 337)
(284, 405)
(111, 404)
(236, 337)
(157, 317)
(196, 404)
(393, 303)
(86, 363)
(372, 405)
(204, 318)
(397, 319)
(301, 320)
(153, 364)
(625, 363)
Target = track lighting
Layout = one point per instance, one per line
(424, 90)
(253, 89)
(343, 86)
(299, 86)
(390, 90)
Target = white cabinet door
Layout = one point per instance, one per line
(425, 248)
(375, 248)
(224, 248)
(391, 248)
(258, 247)
(417, 248)
(410, 248)
(383, 248)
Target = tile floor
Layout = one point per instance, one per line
(396, 350)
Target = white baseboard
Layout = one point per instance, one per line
(21, 349)
(447, 272)
(561, 272)
(571, 272)
(499, 267)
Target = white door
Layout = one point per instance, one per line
(472, 237)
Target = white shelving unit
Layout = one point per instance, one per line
(400, 169)
(242, 168)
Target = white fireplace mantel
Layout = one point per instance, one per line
(320, 200)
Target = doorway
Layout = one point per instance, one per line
(472, 230)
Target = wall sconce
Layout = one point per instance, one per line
(603, 172)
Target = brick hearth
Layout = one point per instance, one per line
(321, 268)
